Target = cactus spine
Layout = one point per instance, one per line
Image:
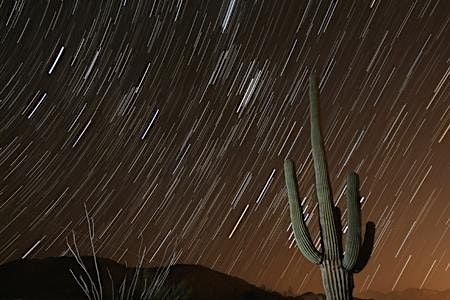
(336, 268)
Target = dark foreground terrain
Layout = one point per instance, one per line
(54, 278)
(411, 294)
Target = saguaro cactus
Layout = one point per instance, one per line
(336, 268)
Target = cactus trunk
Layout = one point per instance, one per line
(323, 190)
(337, 282)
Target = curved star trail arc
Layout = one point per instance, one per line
(169, 122)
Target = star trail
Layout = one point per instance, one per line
(168, 122)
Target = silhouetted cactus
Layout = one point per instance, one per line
(337, 268)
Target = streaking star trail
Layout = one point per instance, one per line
(169, 122)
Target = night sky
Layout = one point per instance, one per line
(169, 122)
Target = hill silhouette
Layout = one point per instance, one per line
(411, 294)
(54, 278)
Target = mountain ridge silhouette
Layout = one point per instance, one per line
(53, 278)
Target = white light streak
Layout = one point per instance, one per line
(239, 221)
(36, 107)
(31, 249)
(401, 272)
(150, 124)
(56, 60)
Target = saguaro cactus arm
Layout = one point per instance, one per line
(353, 243)
(301, 233)
(366, 247)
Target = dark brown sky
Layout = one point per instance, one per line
(170, 120)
